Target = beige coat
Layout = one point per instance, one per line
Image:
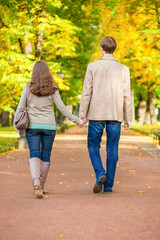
(40, 108)
(106, 91)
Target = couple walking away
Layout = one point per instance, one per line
(105, 102)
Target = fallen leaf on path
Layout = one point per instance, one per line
(140, 191)
(62, 183)
(148, 187)
(67, 185)
(73, 180)
(61, 236)
(60, 208)
(138, 158)
(72, 159)
(127, 151)
(46, 196)
(117, 182)
(132, 172)
(63, 174)
(86, 182)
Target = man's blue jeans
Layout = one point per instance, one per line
(95, 132)
(40, 143)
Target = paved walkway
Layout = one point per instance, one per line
(71, 211)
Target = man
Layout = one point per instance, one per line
(106, 100)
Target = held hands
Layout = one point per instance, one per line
(82, 122)
(126, 125)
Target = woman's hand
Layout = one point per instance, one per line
(82, 122)
(16, 129)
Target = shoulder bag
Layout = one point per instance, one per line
(21, 121)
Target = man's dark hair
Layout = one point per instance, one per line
(108, 44)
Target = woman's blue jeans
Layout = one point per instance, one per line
(40, 143)
(95, 132)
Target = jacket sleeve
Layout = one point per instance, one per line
(127, 106)
(86, 93)
(22, 106)
(56, 98)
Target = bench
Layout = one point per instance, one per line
(155, 133)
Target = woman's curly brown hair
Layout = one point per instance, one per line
(42, 82)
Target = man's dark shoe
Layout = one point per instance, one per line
(108, 191)
(98, 186)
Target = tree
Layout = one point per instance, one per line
(48, 30)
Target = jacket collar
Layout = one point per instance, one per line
(108, 57)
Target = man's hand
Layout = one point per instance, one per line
(126, 125)
(82, 122)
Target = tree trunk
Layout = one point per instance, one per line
(39, 36)
(38, 45)
(142, 112)
(21, 45)
(133, 108)
(0, 118)
(12, 118)
(152, 107)
(147, 119)
(60, 118)
(136, 113)
(159, 114)
(28, 48)
(5, 119)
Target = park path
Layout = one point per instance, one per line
(70, 210)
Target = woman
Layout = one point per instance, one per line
(38, 96)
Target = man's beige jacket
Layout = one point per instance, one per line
(106, 91)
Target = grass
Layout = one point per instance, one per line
(146, 129)
(8, 132)
(9, 136)
(8, 139)
(7, 144)
(10, 129)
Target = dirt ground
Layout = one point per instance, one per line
(71, 211)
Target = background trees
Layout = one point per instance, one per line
(66, 34)
(58, 32)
